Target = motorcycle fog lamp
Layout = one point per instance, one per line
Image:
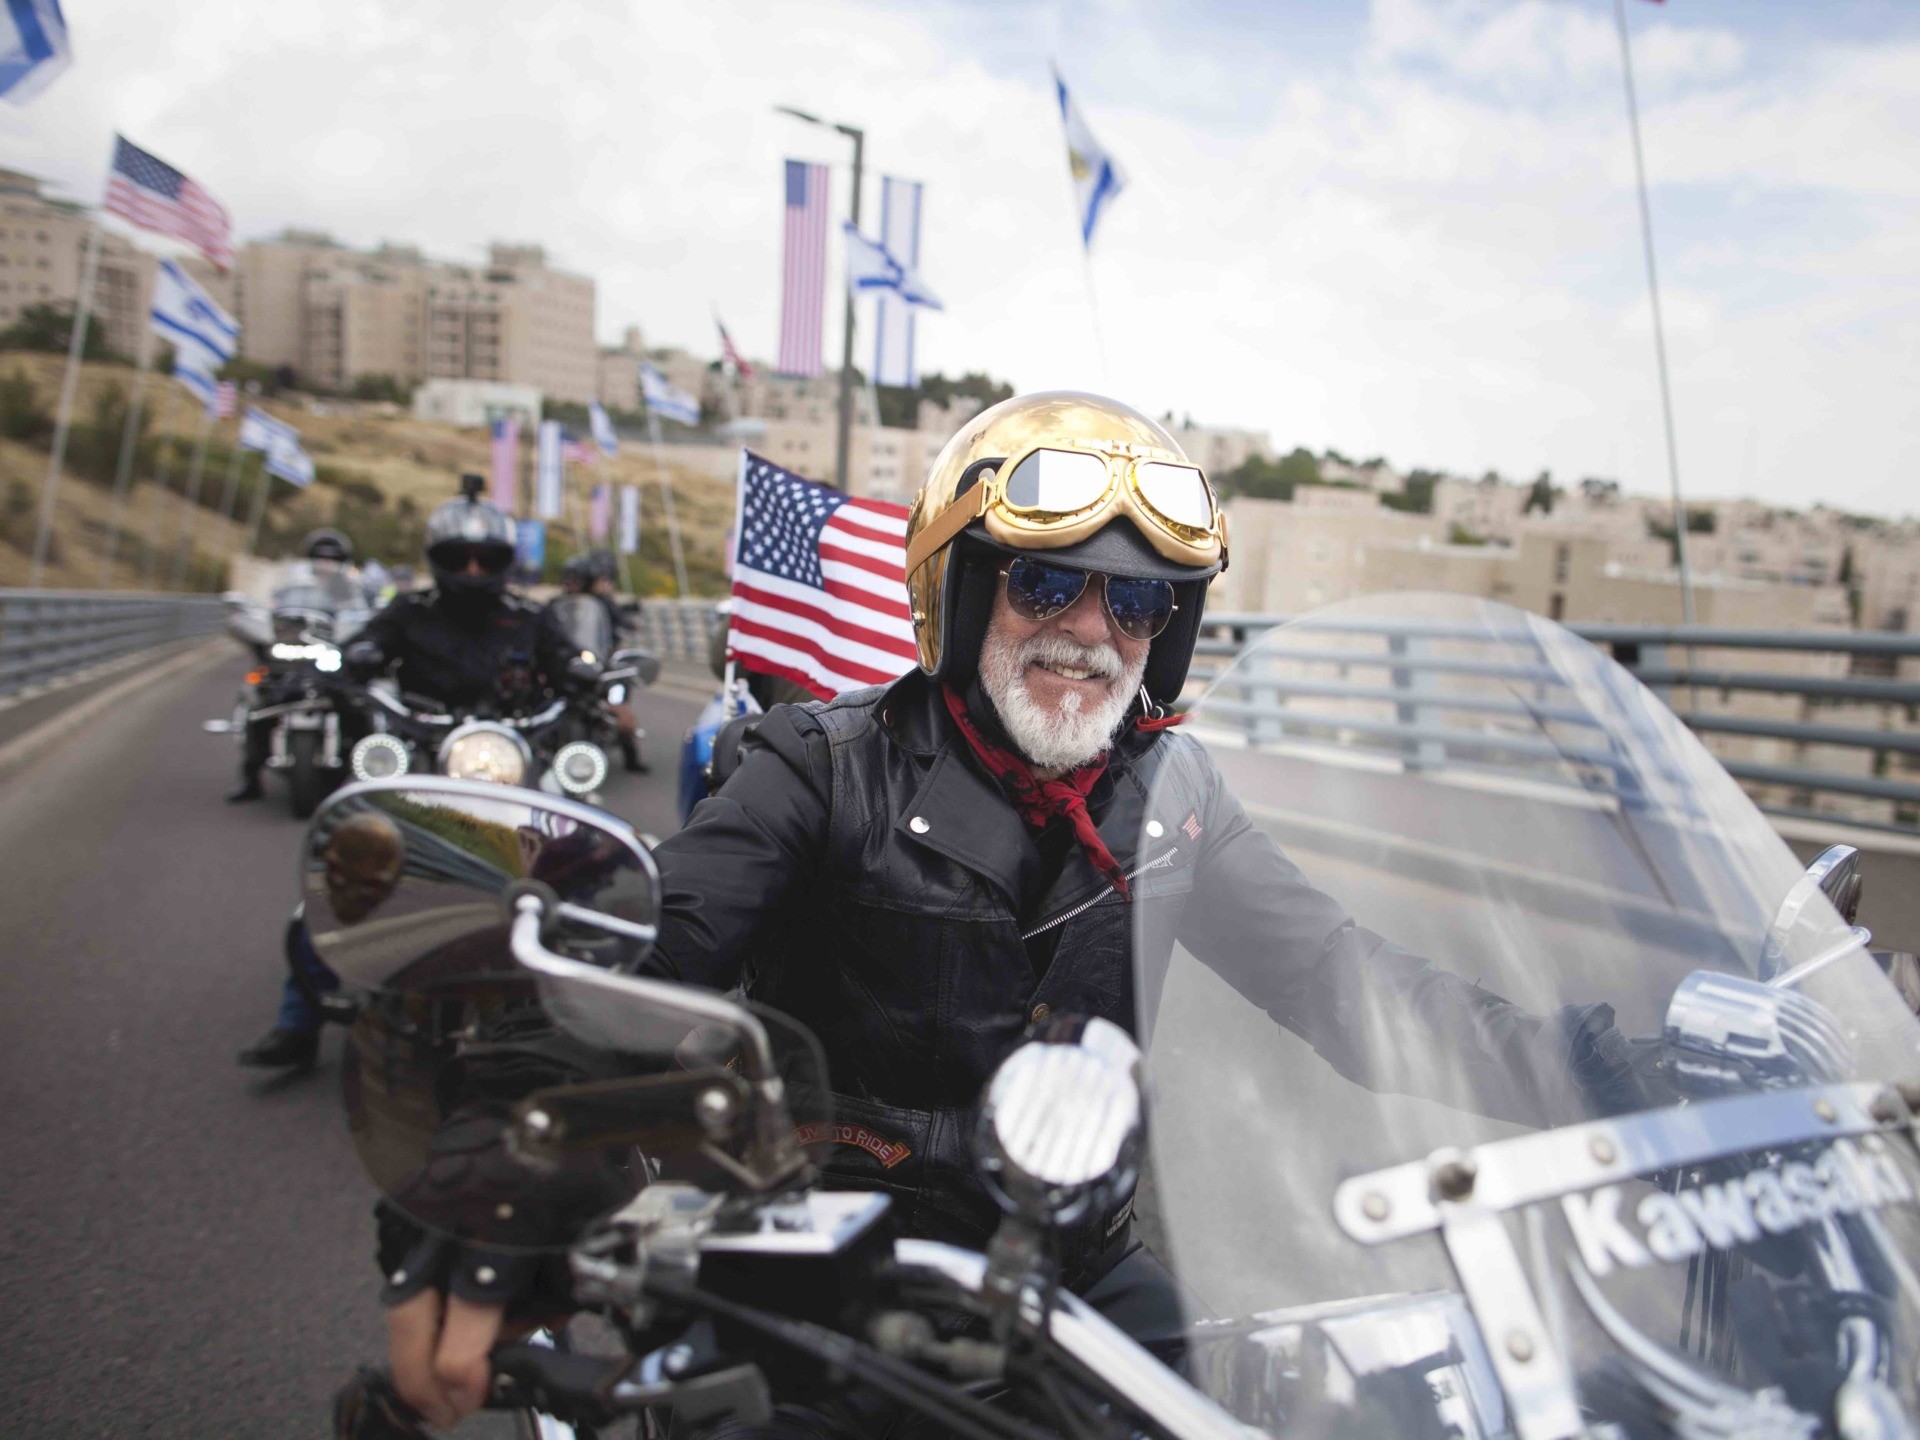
(581, 768)
(378, 757)
(485, 752)
(1060, 1127)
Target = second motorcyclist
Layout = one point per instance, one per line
(466, 643)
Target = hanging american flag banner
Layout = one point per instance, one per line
(803, 279)
(146, 191)
(225, 397)
(599, 513)
(819, 596)
(503, 476)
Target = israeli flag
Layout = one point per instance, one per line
(34, 47)
(204, 337)
(291, 463)
(1097, 176)
(260, 431)
(666, 401)
(871, 266)
(602, 428)
(893, 347)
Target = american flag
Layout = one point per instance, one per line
(600, 513)
(730, 353)
(225, 396)
(803, 281)
(505, 473)
(819, 596)
(576, 451)
(153, 195)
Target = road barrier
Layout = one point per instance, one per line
(680, 629)
(46, 635)
(1385, 683)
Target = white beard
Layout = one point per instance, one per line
(1067, 736)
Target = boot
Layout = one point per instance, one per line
(282, 1049)
(630, 753)
(246, 788)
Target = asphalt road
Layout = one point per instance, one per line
(185, 1247)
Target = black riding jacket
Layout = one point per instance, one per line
(863, 874)
(487, 656)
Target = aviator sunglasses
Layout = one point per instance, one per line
(1037, 590)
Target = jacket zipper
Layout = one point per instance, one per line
(1085, 905)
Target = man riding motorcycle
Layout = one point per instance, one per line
(465, 642)
(328, 565)
(922, 873)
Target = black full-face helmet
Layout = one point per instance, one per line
(465, 530)
(327, 543)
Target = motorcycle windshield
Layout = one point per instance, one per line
(501, 1105)
(1492, 1091)
(586, 624)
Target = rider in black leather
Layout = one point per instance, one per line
(468, 643)
(870, 871)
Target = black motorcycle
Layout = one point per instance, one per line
(295, 692)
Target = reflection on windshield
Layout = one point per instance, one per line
(1512, 861)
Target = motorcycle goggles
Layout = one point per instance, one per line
(1052, 497)
(1039, 590)
(455, 555)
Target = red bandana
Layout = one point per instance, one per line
(1040, 802)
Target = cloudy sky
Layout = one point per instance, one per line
(1404, 227)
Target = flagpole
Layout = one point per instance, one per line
(151, 548)
(188, 521)
(231, 490)
(123, 468)
(259, 511)
(56, 457)
(1659, 328)
(666, 496)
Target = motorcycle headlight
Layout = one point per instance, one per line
(1060, 1126)
(485, 752)
(581, 768)
(379, 757)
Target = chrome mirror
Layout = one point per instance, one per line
(1834, 879)
(644, 665)
(409, 882)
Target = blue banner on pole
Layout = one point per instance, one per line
(530, 547)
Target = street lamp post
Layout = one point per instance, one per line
(844, 440)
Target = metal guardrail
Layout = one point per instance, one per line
(1416, 669)
(48, 634)
(1662, 656)
(680, 629)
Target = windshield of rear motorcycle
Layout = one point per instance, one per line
(1486, 1092)
(586, 624)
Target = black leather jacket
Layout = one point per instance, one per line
(488, 656)
(862, 874)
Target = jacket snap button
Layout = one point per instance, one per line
(1040, 1013)
(1155, 829)
(918, 824)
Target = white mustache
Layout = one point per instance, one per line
(1102, 661)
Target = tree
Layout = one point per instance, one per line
(1416, 497)
(380, 387)
(1264, 479)
(900, 404)
(50, 328)
(22, 416)
(1541, 494)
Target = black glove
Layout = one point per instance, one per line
(364, 658)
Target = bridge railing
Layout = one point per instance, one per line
(1346, 674)
(46, 635)
(681, 629)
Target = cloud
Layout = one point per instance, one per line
(1416, 237)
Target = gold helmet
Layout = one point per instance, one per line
(1093, 482)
